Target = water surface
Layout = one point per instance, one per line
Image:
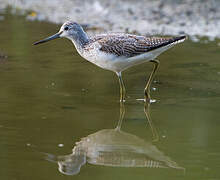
(50, 98)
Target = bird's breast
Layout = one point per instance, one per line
(104, 60)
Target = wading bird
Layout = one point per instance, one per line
(116, 51)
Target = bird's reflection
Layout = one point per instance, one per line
(116, 148)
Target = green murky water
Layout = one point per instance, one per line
(50, 98)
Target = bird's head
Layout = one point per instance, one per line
(70, 30)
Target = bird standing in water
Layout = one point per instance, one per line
(116, 51)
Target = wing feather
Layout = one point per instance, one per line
(131, 45)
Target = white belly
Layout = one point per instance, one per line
(116, 63)
(106, 61)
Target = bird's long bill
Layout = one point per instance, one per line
(55, 36)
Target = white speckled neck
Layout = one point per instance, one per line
(79, 39)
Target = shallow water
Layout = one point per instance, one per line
(50, 98)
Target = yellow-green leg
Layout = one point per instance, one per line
(122, 87)
(147, 88)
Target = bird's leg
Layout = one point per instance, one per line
(121, 115)
(147, 88)
(122, 87)
(148, 116)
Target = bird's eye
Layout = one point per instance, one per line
(66, 28)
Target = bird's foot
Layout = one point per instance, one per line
(122, 100)
(147, 100)
(151, 101)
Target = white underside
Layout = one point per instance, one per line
(118, 64)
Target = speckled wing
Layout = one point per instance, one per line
(131, 45)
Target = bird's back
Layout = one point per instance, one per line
(129, 45)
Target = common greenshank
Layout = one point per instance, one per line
(116, 51)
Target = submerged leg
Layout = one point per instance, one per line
(147, 88)
(122, 87)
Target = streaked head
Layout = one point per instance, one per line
(70, 30)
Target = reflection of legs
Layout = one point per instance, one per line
(122, 87)
(153, 129)
(147, 88)
(121, 115)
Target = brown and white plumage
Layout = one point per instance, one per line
(117, 51)
(129, 45)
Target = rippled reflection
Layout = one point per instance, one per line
(116, 148)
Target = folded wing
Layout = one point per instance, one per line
(131, 45)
